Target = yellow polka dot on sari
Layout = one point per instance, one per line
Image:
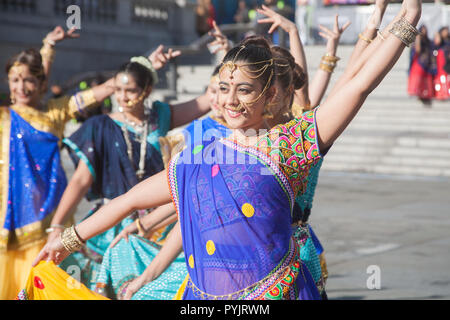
(210, 247)
(248, 210)
(191, 261)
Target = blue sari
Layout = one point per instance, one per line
(36, 182)
(100, 144)
(128, 259)
(235, 211)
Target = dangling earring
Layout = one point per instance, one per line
(120, 109)
(12, 98)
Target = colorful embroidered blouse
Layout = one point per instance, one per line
(235, 205)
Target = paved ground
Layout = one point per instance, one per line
(400, 224)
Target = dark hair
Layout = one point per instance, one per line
(257, 40)
(31, 58)
(140, 74)
(286, 75)
(216, 70)
(255, 57)
(287, 70)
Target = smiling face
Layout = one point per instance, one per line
(25, 87)
(243, 98)
(127, 92)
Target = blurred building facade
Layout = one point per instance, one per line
(111, 31)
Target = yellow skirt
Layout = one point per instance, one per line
(15, 266)
(48, 282)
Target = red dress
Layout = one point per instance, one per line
(420, 80)
(441, 81)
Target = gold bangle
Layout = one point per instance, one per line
(327, 68)
(49, 42)
(47, 53)
(364, 38)
(139, 226)
(70, 240)
(329, 58)
(404, 31)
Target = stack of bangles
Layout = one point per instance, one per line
(328, 63)
(404, 31)
(47, 52)
(71, 240)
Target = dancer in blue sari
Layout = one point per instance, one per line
(123, 261)
(234, 197)
(114, 152)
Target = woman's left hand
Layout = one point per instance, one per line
(277, 20)
(334, 35)
(159, 59)
(58, 34)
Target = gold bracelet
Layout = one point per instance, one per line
(364, 38)
(71, 240)
(140, 226)
(404, 31)
(327, 68)
(49, 42)
(329, 58)
(47, 53)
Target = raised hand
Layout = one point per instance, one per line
(221, 41)
(334, 35)
(276, 19)
(58, 34)
(159, 59)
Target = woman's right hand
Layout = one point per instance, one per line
(52, 251)
(129, 229)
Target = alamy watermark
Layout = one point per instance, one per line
(74, 20)
(374, 280)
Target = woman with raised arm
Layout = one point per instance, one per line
(303, 100)
(33, 179)
(237, 237)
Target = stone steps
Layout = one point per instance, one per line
(393, 134)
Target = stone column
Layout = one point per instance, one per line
(124, 8)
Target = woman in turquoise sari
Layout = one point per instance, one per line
(114, 152)
(125, 260)
(234, 197)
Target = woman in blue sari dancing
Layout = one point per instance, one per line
(33, 179)
(234, 196)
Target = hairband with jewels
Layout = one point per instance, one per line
(143, 61)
